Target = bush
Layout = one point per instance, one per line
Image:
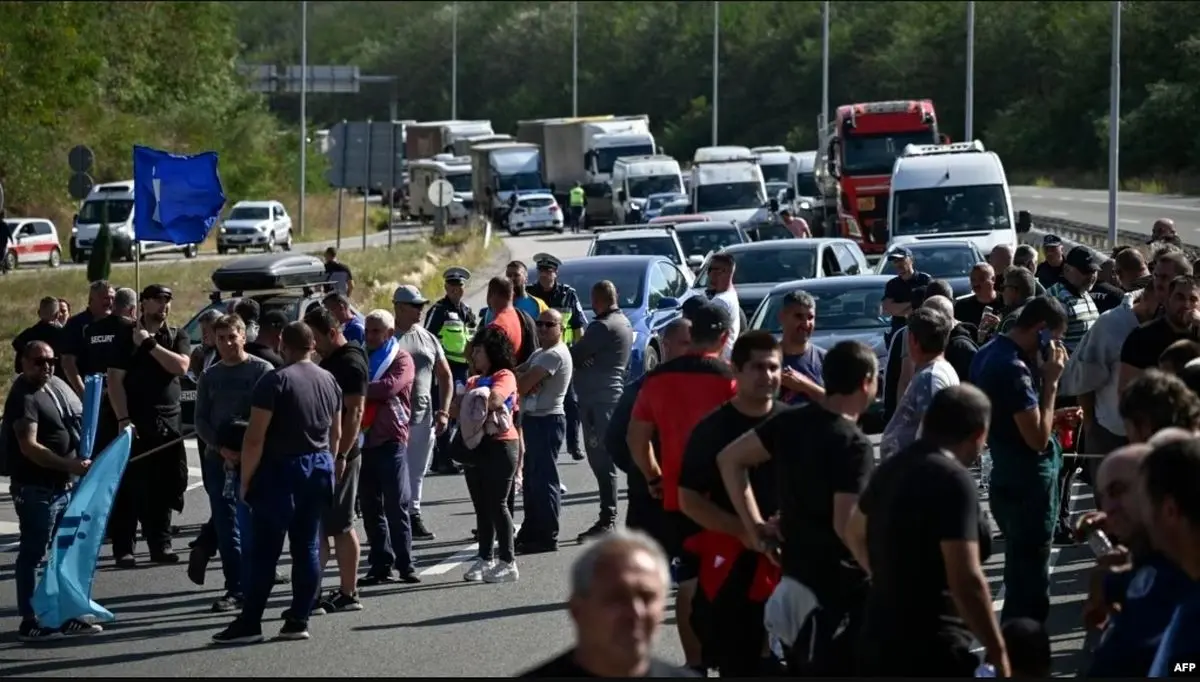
(100, 261)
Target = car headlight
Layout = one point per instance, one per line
(804, 206)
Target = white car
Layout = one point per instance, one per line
(641, 240)
(535, 211)
(255, 224)
(34, 240)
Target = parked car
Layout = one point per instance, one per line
(255, 225)
(535, 211)
(650, 289)
(700, 238)
(34, 241)
(759, 266)
(848, 308)
(949, 259)
(656, 202)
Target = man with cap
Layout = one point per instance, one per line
(148, 358)
(1050, 269)
(427, 418)
(898, 292)
(453, 322)
(564, 299)
(270, 337)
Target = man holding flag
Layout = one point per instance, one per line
(385, 486)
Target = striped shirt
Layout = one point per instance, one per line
(1081, 313)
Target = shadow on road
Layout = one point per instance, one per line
(473, 617)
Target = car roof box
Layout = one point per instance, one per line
(269, 271)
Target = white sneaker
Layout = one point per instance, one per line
(562, 489)
(475, 573)
(501, 572)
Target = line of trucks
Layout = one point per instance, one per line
(841, 189)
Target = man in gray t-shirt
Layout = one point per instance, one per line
(427, 421)
(542, 383)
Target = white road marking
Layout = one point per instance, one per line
(463, 555)
(1139, 204)
(1059, 213)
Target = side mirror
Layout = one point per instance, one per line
(774, 204)
(831, 162)
(667, 303)
(1024, 222)
(620, 195)
(789, 194)
(553, 188)
(695, 262)
(945, 138)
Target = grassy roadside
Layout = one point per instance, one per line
(1160, 184)
(377, 272)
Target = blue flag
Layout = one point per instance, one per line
(93, 386)
(177, 199)
(65, 590)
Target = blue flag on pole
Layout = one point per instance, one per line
(93, 386)
(177, 198)
(65, 590)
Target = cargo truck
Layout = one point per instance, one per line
(427, 139)
(462, 146)
(453, 169)
(500, 168)
(858, 150)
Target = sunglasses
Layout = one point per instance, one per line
(546, 325)
(43, 362)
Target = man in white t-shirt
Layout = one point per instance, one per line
(927, 336)
(721, 291)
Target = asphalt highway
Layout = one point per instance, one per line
(1136, 212)
(442, 627)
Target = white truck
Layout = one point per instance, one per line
(499, 169)
(429, 138)
(117, 199)
(462, 146)
(774, 165)
(721, 153)
(453, 169)
(729, 190)
(635, 178)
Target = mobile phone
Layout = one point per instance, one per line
(1045, 344)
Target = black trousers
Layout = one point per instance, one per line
(827, 643)
(730, 625)
(150, 488)
(490, 486)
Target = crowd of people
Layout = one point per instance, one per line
(752, 487)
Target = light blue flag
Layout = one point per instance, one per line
(65, 590)
(177, 198)
(93, 386)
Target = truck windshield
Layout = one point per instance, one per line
(654, 184)
(729, 196)
(945, 210)
(606, 157)
(776, 172)
(461, 182)
(875, 154)
(92, 211)
(531, 180)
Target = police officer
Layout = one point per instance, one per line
(148, 358)
(453, 323)
(564, 299)
(578, 201)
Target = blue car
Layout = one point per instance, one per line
(650, 290)
(656, 202)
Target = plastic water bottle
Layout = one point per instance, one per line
(459, 388)
(1099, 543)
(985, 470)
(985, 670)
(230, 491)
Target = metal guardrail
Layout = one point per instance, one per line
(1093, 236)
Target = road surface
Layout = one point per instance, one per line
(441, 627)
(1137, 211)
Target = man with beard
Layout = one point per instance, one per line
(727, 612)
(143, 384)
(1180, 293)
(801, 380)
(983, 297)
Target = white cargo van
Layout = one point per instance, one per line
(635, 178)
(950, 191)
(119, 199)
(731, 190)
(726, 153)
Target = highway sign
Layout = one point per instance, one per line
(366, 154)
(79, 185)
(81, 158)
(441, 193)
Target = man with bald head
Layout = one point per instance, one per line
(1134, 589)
(1164, 232)
(983, 296)
(618, 598)
(1001, 257)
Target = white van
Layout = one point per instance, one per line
(724, 153)
(119, 198)
(956, 191)
(635, 178)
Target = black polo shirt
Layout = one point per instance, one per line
(150, 390)
(47, 332)
(263, 352)
(349, 367)
(73, 339)
(900, 290)
(101, 343)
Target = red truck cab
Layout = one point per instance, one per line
(863, 145)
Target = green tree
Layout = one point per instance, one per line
(100, 260)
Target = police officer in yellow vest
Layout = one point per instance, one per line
(451, 320)
(578, 200)
(562, 297)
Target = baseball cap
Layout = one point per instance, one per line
(1081, 258)
(708, 315)
(273, 319)
(899, 253)
(1051, 240)
(155, 291)
(407, 293)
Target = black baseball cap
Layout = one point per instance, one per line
(899, 253)
(1081, 258)
(273, 319)
(1051, 240)
(156, 291)
(708, 315)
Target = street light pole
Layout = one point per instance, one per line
(824, 66)
(970, 122)
(1114, 126)
(454, 61)
(303, 108)
(716, 66)
(574, 59)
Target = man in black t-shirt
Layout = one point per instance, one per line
(822, 463)
(266, 344)
(148, 357)
(622, 572)
(347, 362)
(40, 454)
(1145, 344)
(898, 292)
(729, 621)
(919, 530)
(74, 362)
(45, 330)
(1050, 270)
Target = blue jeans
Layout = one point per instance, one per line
(386, 493)
(39, 510)
(543, 497)
(287, 497)
(571, 408)
(231, 523)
